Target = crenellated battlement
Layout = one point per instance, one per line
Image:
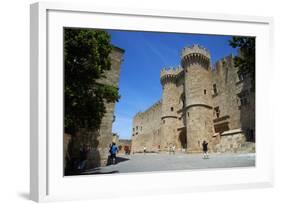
(223, 63)
(152, 107)
(170, 74)
(195, 50)
(195, 55)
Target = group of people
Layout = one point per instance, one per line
(172, 149)
(113, 150)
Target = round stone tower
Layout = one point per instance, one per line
(170, 106)
(195, 61)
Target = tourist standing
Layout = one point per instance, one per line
(205, 150)
(144, 149)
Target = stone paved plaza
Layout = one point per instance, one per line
(179, 161)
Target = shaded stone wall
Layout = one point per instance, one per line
(98, 140)
(66, 156)
(111, 78)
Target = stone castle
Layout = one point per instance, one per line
(199, 102)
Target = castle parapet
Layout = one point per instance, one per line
(170, 74)
(220, 66)
(195, 55)
(152, 107)
(195, 49)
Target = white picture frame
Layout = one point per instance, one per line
(47, 182)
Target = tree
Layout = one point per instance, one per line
(86, 58)
(245, 61)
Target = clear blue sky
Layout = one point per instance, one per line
(146, 53)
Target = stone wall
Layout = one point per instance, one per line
(111, 78)
(232, 114)
(146, 129)
(98, 140)
(66, 156)
(199, 103)
(234, 141)
(151, 141)
(198, 106)
(171, 104)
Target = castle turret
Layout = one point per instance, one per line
(195, 61)
(170, 106)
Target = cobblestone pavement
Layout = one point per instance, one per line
(164, 162)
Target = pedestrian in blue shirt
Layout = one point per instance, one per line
(113, 152)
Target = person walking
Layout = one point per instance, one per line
(144, 150)
(113, 152)
(205, 150)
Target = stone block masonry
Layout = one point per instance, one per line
(99, 140)
(199, 102)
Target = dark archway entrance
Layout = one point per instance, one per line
(182, 138)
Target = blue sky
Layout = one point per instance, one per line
(146, 53)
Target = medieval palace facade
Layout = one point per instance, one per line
(199, 102)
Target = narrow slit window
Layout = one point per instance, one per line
(215, 89)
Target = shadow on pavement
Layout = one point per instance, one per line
(118, 160)
(121, 159)
(80, 172)
(98, 172)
